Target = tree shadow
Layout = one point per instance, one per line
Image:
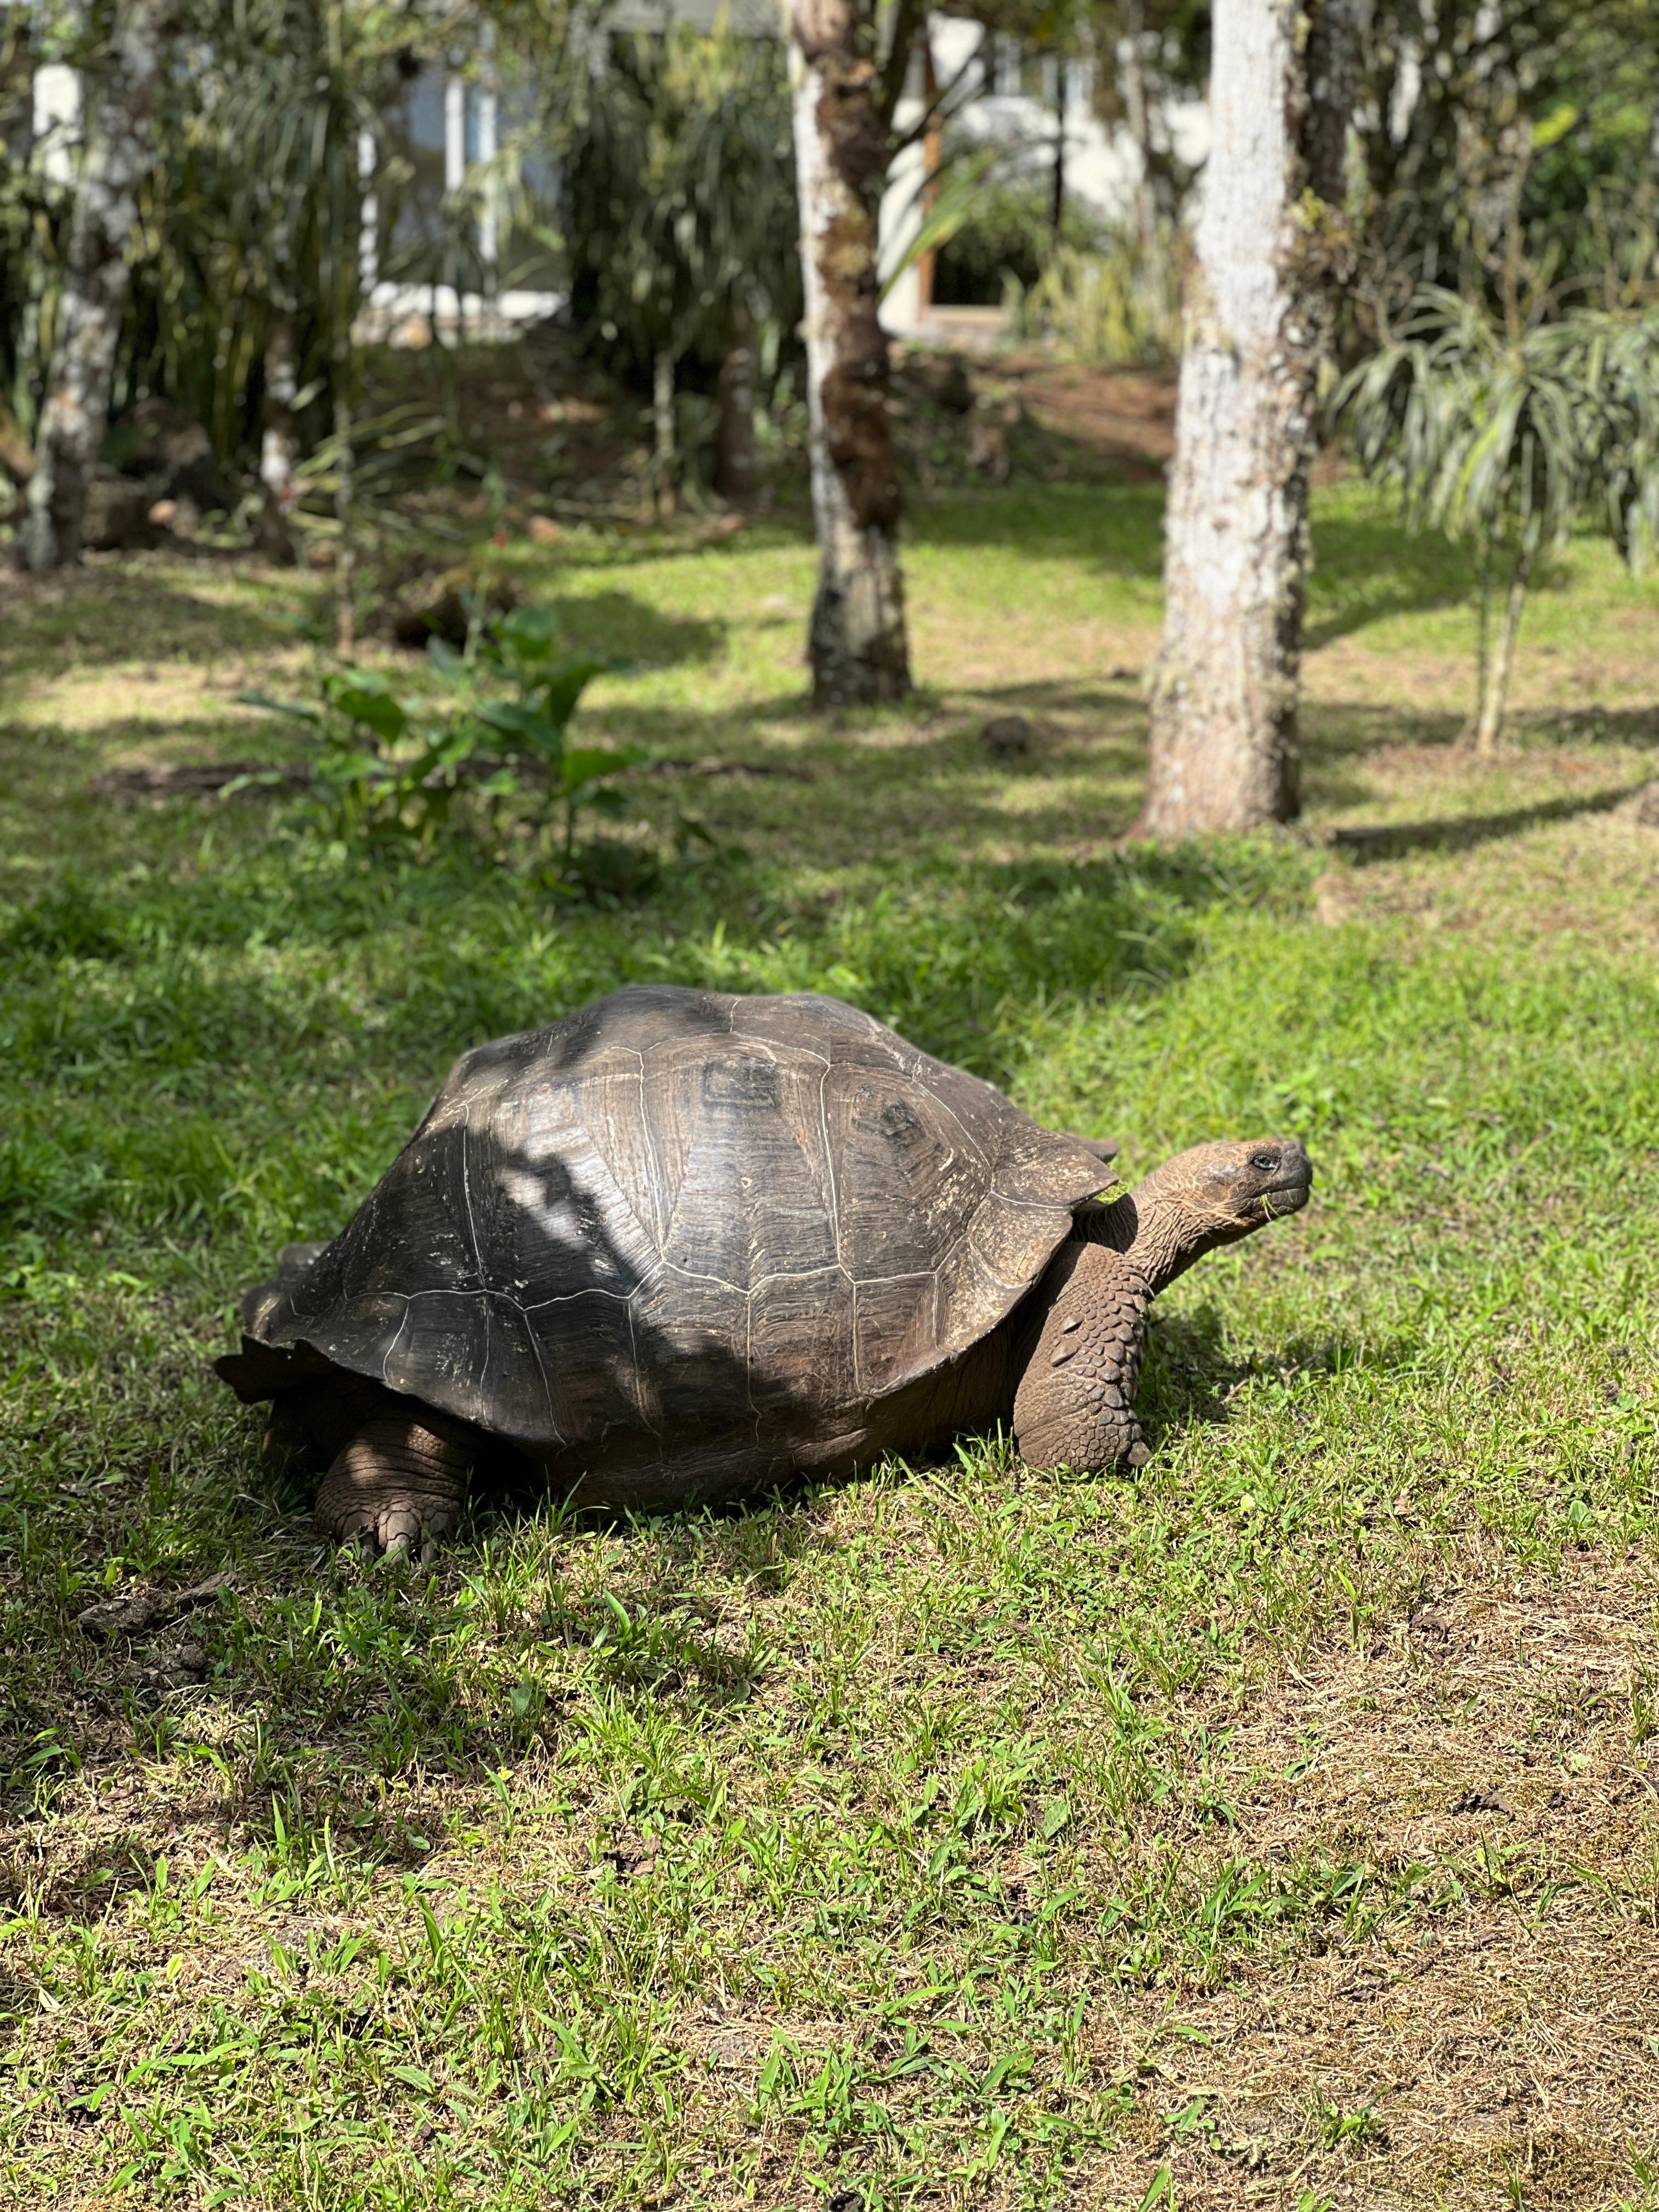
(1341, 729)
(1368, 568)
(1462, 832)
(935, 731)
(1115, 527)
(616, 624)
(86, 617)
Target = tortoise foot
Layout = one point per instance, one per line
(398, 1487)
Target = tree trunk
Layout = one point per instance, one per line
(933, 154)
(857, 644)
(94, 289)
(734, 447)
(16, 454)
(345, 462)
(1057, 209)
(273, 536)
(1272, 245)
(662, 409)
(1495, 675)
(1137, 115)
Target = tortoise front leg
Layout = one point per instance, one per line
(1075, 1403)
(398, 1485)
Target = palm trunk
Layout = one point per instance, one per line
(94, 290)
(1495, 676)
(1482, 639)
(857, 644)
(1271, 244)
(734, 450)
(273, 536)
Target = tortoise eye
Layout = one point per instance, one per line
(1266, 1161)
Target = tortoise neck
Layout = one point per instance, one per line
(1154, 1236)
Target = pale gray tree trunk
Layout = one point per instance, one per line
(273, 535)
(857, 643)
(1272, 249)
(119, 97)
(1137, 114)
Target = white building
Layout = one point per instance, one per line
(999, 93)
(440, 256)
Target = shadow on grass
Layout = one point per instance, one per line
(1115, 527)
(90, 616)
(1368, 569)
(1114, 698)
(617, 624)
(1189, 1380)
(1461, 833)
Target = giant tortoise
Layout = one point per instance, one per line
(683, 1245)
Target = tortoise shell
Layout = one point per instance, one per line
(681, 1213)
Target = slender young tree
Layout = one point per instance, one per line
(857, 644)
(1507, 444)
(680, 214)
(272, 534)
(1272, 249)
(120, 95)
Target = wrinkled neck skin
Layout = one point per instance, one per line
(1160, 1238)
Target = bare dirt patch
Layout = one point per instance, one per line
(1490, 2038)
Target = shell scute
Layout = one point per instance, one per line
(909, 1180)
(746, 1190)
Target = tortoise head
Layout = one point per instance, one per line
(1212, 1195)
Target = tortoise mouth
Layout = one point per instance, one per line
(1288, 1195)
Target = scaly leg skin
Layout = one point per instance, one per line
(1075, 1403)
(397, 1485)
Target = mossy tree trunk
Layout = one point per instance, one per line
(1271, 249)
(857, 646)
(120, 98)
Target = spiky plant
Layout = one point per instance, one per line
(1506, 444)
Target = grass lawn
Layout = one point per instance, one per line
(1278, 1827)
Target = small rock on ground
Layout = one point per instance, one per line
(1006, 736)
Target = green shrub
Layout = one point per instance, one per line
(1112, 305)
(390, 763)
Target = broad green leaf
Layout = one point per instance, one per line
(527, 727)
(351, 768)
(564, 687)
(585, 763)
(376, 710)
